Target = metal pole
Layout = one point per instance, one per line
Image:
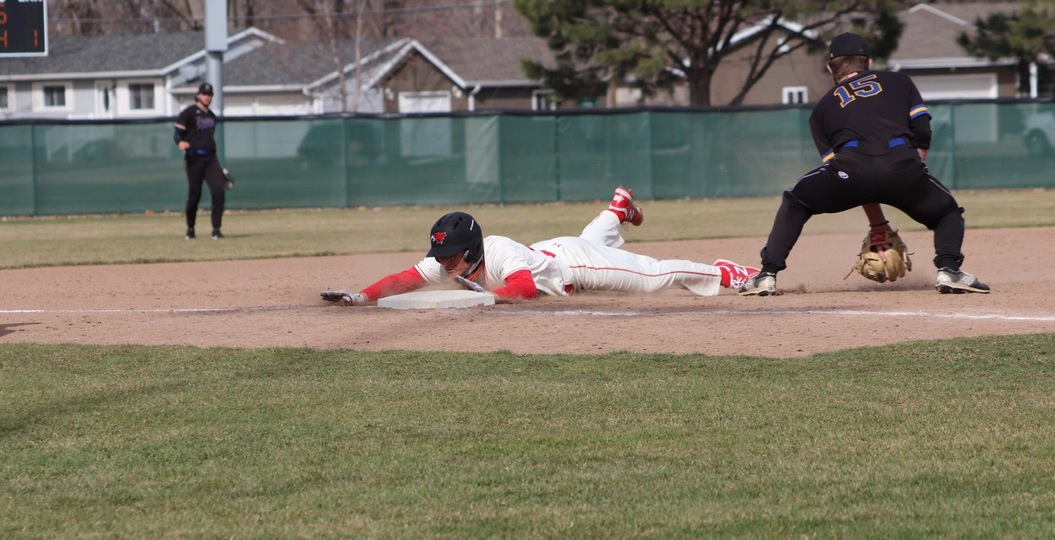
(214, 74)
(215, 46)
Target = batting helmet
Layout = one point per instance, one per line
(454, 233)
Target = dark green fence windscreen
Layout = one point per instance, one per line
(51, 168)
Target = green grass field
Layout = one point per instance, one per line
(928, 439)
(946, 439)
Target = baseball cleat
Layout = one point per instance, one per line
(190, 234)
(216, 234)
(951, 281)
(624, 207)
(735, 275)
(760, 284)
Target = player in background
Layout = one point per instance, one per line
(557, 267)
(194, 136)
(872, 131)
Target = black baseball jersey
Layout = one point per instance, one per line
(870, 107)
(200, 125)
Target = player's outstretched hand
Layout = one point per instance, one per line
(344, 298)
(471, 285)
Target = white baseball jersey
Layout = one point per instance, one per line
(590, 261)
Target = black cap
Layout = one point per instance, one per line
(847, 44)
(454, 233)
(205, 88)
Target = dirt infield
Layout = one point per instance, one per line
(275, 303)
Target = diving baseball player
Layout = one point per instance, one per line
(558, 267)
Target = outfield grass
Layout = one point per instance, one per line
(926, 439)
(296, 233)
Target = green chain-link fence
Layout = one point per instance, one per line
(51, 168)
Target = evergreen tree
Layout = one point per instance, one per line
(653, 43)
(1027, 35)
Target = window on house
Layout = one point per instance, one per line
(543, 100)
(424, 102)
(141, 97)
(54, 96)
(5, 99)
(794, 95)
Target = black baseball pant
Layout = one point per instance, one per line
(204, 168)
(871, 173)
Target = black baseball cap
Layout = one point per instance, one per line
(848, 44)
(205, 88)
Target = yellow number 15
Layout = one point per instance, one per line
(863, 87)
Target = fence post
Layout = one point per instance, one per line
(652, 154)
(33, 166)
(952, 146)
(556, 156)
(500, 150)
(345, 127)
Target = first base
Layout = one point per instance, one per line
(437, 299)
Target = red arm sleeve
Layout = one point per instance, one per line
(518, 285)
(398, 283)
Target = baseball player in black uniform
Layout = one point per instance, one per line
(872, 131)
(194, 136)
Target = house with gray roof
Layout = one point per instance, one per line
(111, 75)
(304, 78)
(463, 74)
(940, 67)
(122, 76)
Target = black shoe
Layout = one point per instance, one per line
(216, 234)
(190, 234)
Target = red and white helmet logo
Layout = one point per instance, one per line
(438, 238)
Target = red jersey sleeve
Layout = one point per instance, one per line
(519, 284)
(398, 283)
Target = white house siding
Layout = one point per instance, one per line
(266, 105)
(962, 86)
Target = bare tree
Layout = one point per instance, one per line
(303, 20)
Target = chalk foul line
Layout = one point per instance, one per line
(805, 312)
(1009, 317)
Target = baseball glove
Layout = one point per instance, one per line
(884, 257)
(228, 180)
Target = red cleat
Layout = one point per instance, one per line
(735, 275)
(624, 207)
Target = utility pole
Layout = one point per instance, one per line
(215, 46)
(498, 19)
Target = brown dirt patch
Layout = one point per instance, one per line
(275, 303)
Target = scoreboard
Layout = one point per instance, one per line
(23, 28)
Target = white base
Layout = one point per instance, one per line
(436, 299)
